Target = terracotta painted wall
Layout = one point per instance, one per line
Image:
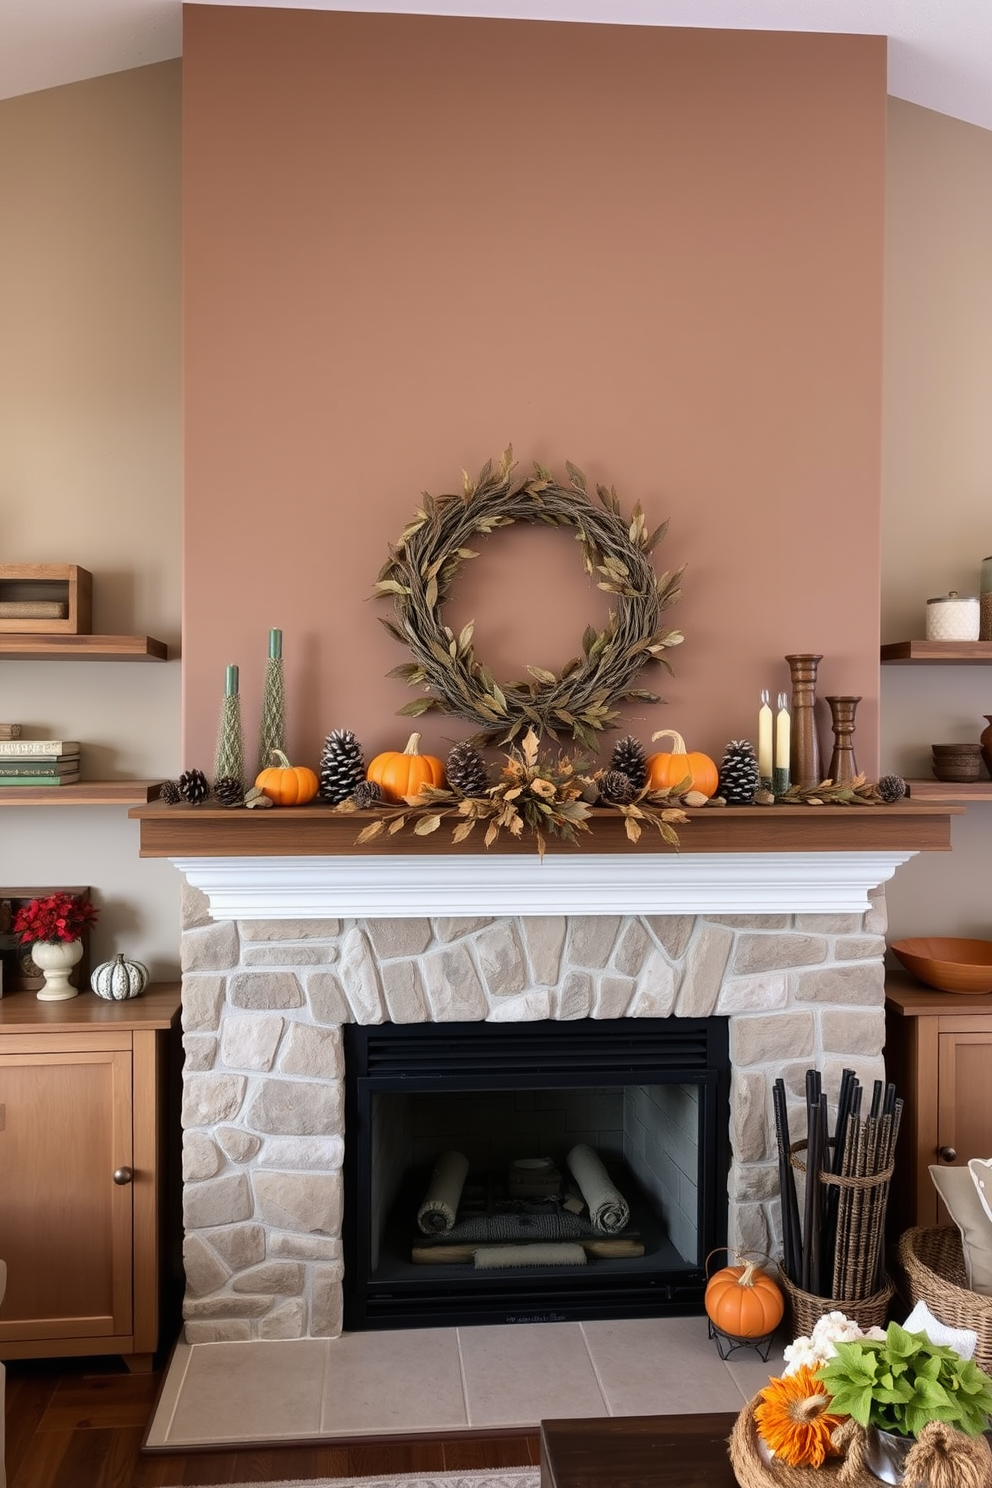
(412, 240)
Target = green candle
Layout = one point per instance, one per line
(275, 644)
(231, 685)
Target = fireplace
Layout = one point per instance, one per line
(774, 922)
(650, 1098)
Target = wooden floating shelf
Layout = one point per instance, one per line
(86, 793)
(82, 648)
(957, 652)
(948, 790)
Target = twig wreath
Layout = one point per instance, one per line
(584, 697)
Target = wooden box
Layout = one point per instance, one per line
(19, 972)
(45, 599)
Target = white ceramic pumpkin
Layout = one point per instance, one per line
(117, 980)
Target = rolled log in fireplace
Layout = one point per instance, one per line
(650, 1095)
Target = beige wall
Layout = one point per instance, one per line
(89, 463)
(937, 486)
(411, 240)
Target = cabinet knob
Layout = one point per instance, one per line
(123, 1175)
(947, 1154)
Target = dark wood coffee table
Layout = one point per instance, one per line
(638, 1452)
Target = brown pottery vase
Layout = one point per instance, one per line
(985, 739)
(843, 766)
(804, 762)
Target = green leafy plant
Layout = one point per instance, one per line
(901, 1382)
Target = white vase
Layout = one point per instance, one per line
(55, 959)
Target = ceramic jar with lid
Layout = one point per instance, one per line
(953, 617)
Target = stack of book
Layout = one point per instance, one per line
(38, 762)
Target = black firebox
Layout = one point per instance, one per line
(649, 1097)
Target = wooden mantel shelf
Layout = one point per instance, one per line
(182, 831)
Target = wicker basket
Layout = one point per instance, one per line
(753, 1471)
(806, 1309)
(934, 1265)
(972, 1460)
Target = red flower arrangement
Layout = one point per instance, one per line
(59, 917)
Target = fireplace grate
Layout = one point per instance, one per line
(669, 1046)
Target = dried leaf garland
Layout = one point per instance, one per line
(859, 791)
(536, 794)
(584, 697)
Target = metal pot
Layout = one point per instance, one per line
(886, 1453)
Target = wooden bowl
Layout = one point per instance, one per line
(948, 963)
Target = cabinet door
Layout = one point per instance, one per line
(964, 1081)
(65, 1225)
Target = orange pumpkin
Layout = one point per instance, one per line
(286, 784)
(401, 774)
(743, 1301)
(671, 769)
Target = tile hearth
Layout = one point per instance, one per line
(445, 1380)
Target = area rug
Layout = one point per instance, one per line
(505, 1477)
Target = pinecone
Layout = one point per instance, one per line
(739, 775)
(366, 793)
(193, 787)
(169, 792)
(616, 788)
(229, 791)
(891, 788)
(466, 770)
(629, 758)
(342, 767)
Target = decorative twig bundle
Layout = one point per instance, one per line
(838, 1252)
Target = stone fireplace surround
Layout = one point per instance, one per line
(266, 992)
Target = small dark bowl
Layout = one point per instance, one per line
(956, 762)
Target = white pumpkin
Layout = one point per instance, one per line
(117, 980)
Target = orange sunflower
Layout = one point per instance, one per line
(792, 1419)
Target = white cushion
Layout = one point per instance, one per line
(922, 1320)
(964, 1204)
(980, 1169)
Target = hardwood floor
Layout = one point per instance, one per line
(79, 1423)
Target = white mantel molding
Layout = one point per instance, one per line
(411, 887)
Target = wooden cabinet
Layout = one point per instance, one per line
(84, 1099)
(938, 1050)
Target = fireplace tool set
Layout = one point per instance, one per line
(834, 1253)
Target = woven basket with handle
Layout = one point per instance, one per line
(944, 1456)
(753, 1470)
(933, 1261)
(806, 1309)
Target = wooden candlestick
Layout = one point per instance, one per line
(805, 748)
(843, 765)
